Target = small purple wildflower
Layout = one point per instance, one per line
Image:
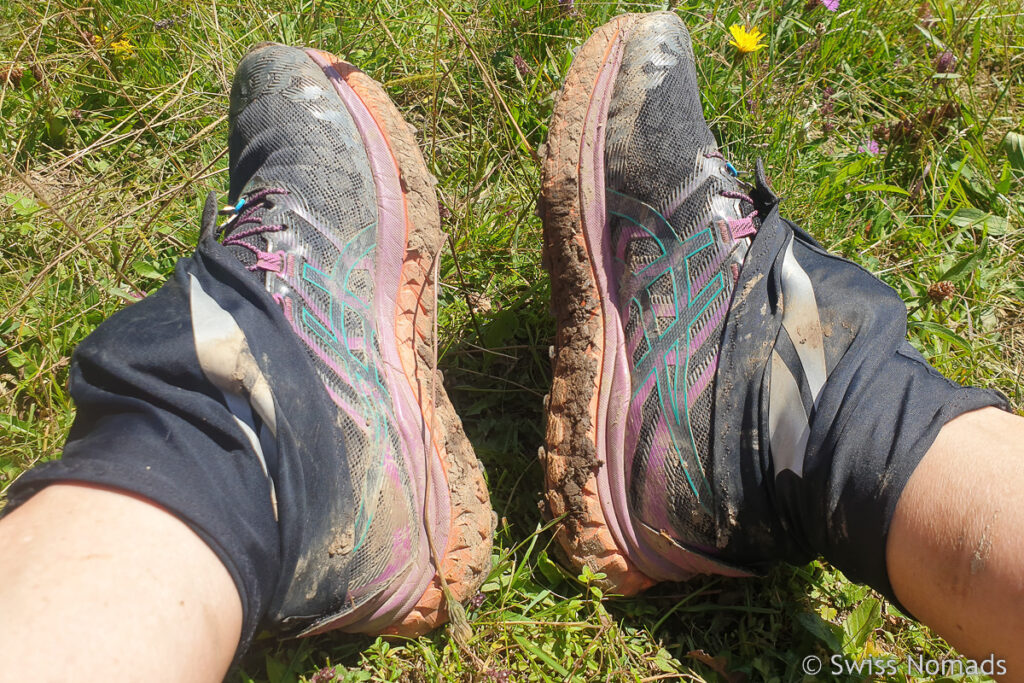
(940, 291)
(477, 600)
(567, 6)
(870, 147)
(323, 675)
(945, 62)
(500, 675)
(522, 66)
(827, 110)
(827, 106)
(830, 5)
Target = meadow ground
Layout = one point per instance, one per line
(891, 129)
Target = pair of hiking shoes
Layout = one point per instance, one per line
(702, 360)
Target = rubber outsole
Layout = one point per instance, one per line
(466, 559)
(570, 459)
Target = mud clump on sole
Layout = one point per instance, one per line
(570, 458)
(466, 559)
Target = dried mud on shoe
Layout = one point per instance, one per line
(570, 457)
(467, 558)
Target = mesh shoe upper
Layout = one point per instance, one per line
(678, 242)
(726, 394)
(777, 409)
(305, 224)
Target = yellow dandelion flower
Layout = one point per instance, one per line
(746, 40)
(122, 48)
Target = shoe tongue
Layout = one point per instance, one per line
(764, 198)
(208, 225)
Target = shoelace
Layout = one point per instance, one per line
(243, 214)
(740, 227)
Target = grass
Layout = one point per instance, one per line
(112, 130)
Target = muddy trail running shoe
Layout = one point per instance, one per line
(726, 394)
(279, 392)
(334, 213)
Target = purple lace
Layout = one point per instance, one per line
(244, 214)
(739, 227)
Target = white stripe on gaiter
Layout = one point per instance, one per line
(229, 365)
(788, 422)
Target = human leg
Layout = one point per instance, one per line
(955, 552)
(278, 394)
(96, 583)
(726, 393)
